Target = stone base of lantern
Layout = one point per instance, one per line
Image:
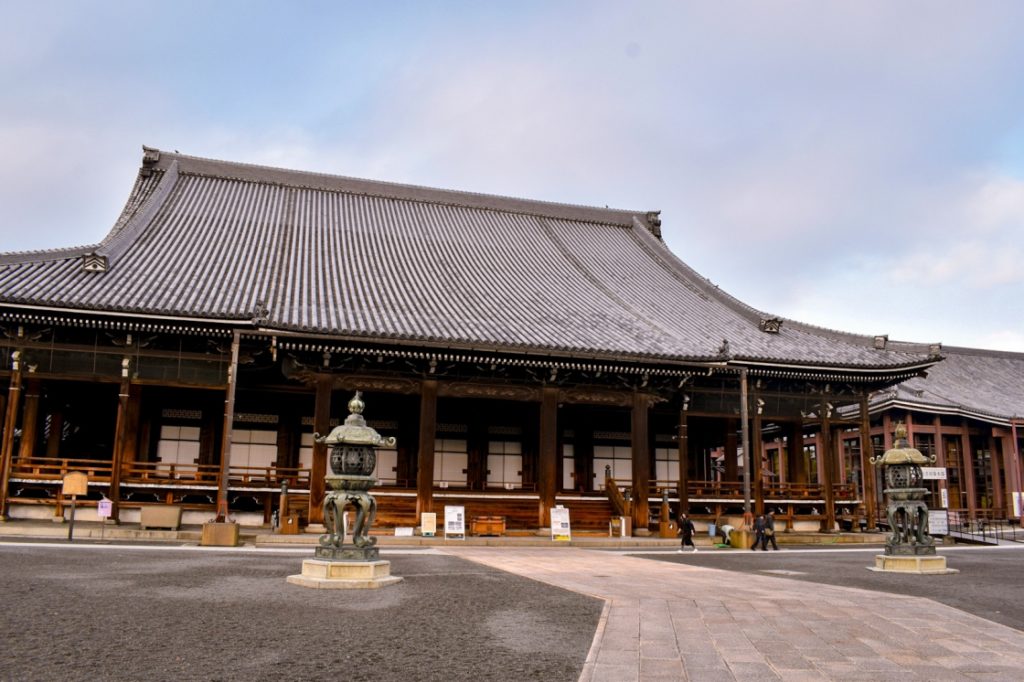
(344, 575)
(921, 565)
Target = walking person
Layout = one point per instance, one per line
(759, 526)
(686, 530)
(769, 533)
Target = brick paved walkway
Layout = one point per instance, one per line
(671, 621)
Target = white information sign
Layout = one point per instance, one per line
(104, 508)
(560, 529)
(933, 473)
(428, 524)
(944, 496)
(454, 522)
(938, 522)
(1016, 504)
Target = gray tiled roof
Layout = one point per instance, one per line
(324, 254)
(987, 385)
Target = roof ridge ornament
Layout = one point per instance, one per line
(94, 262)
(654, 223)
(770, 325)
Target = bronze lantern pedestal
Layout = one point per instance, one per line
(352, 461)
(909, 548)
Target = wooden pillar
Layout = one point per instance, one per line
(1009, 471)
(425, 452)
(967, 471)
(795, 453)
(547, 455)
(229, 426)
(476, 449)
(120, 436)
(868, 469)
(731, 451)
(757, 461)
(827, 454)
(583, 451)
(996, 501)
(30, 418)
(53, 439)
(683, 445)
(322, 427)
(10, 422)
(641, 463)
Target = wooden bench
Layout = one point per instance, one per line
(488, 525)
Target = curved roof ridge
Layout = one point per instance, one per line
(122, 236)
(40, 255)
(327, 181)
(708, 288)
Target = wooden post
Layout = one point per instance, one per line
(967, 457)
(828, 453)
(641, 463)
(30, 418)
(120, 437)
(731, 473)
(757, 462)
(683, 445)
(425, 452)
(322, 427)
(547, 455)
(229, 421)
(10, 422)
(866, 453)
(795, 471)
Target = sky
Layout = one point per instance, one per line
(853, 165)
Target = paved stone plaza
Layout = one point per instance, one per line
(470, 613)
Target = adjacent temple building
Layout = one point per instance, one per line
(524, 354)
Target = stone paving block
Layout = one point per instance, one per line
(620, 643)
(709, 674)
(607, 656)
(703, 660)
(615, 673)
(792, 661)
(660, 668)
(659, 649)
(753, 671)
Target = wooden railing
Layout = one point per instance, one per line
(52, 468)
(166, 472)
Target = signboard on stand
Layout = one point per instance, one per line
(428, 524)
(560, 529)
(104, 508)
(938, 522)
(455, 522)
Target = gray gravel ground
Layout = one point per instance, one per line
(988, 585)
(119, 613)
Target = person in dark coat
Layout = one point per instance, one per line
(769, 533)
(686, 530)
(759, 525)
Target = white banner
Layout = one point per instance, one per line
(933, 473)
(1016, 504)
(455, 522)
(944, 496)
(560, 524)
(938, 522)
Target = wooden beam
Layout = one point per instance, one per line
(425, 451)
(967, 469)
